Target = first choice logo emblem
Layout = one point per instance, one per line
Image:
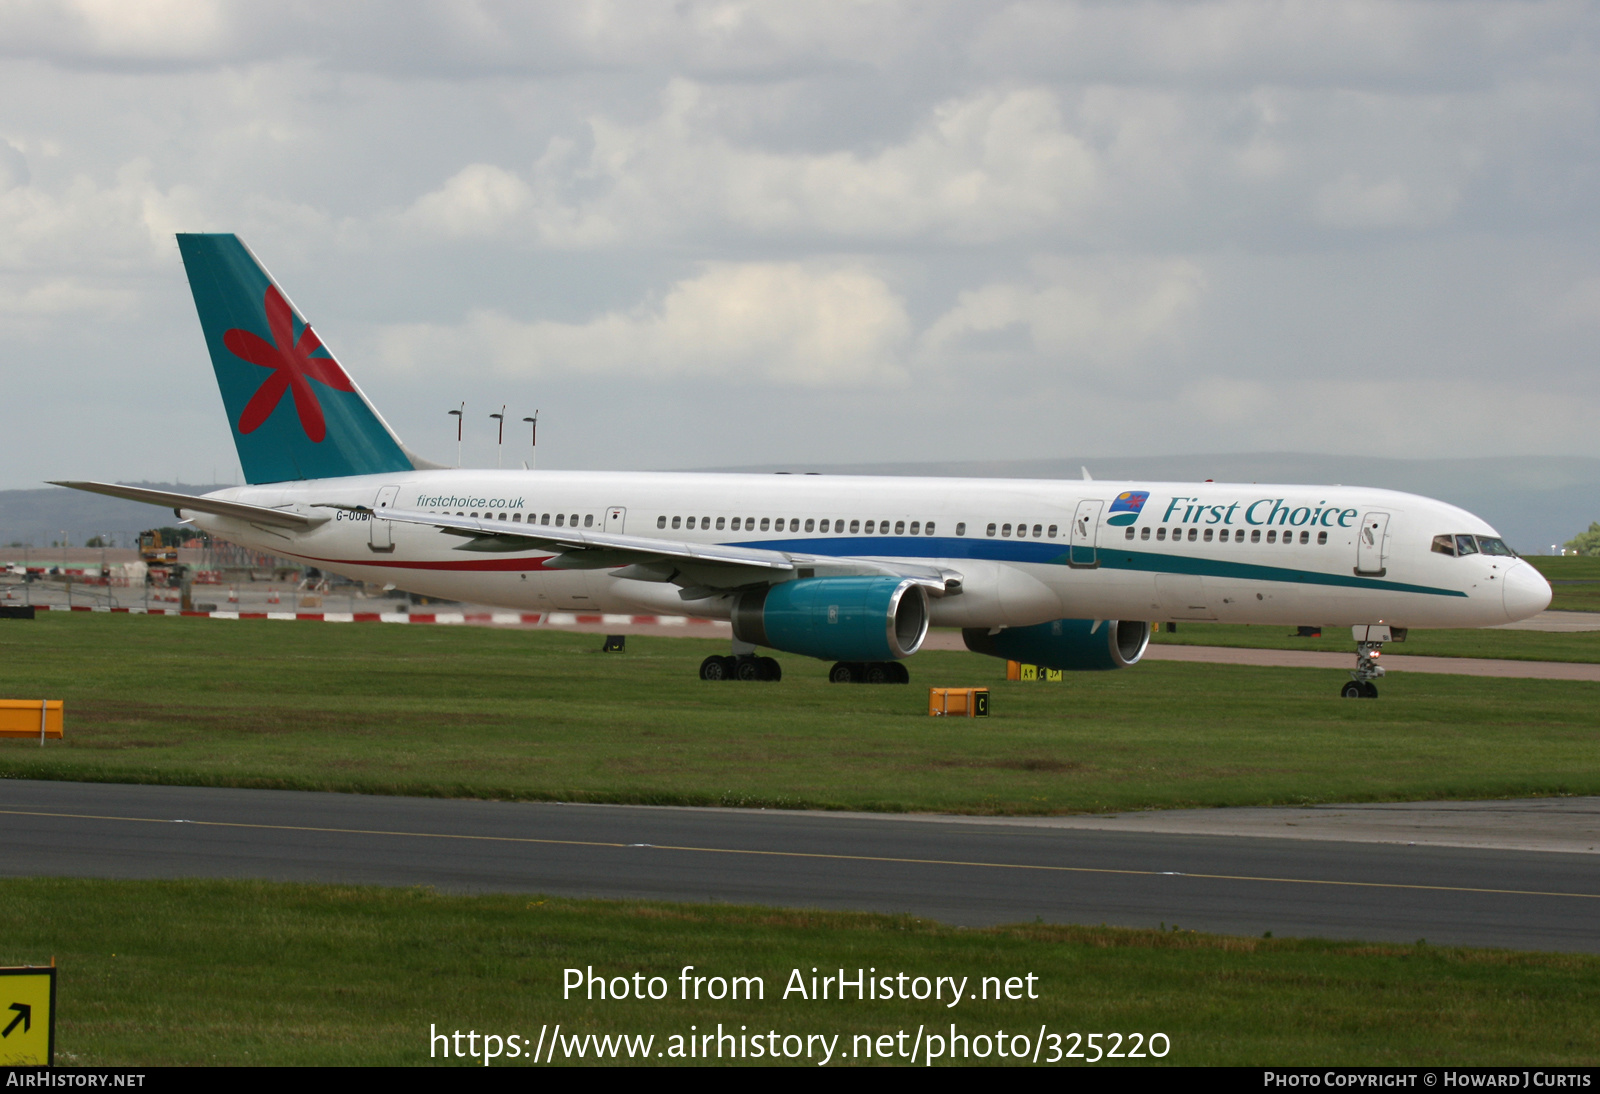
(1127, 506)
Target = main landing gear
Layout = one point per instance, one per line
(869, 672)
(746, 667)
(1367, 670)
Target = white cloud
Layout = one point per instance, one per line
(1352, 202)
(1096, 313)
(783, 324)
(83, 223)
(990, 166)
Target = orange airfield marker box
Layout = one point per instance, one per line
(20, 717)
(965, 702)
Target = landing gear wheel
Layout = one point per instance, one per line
(771, 671)
(878, 672)
(715, 668)
(1369, 690)
(1353, 690)
(844, 672)
(747, 669)
(898, 673)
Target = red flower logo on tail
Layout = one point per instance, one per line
(291, 363)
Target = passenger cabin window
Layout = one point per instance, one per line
(1272, 535)
(928, 530)
(561, 520)
(1128, 534)
(516, 518)
(1193, 534)
(1052, 532)
(1305, 537)
(1208, 535)
(677, 522)
(661, 521)
(991, 529)
(1255, 535)
(899, 527)
(1161, 533)
(855, 526)
(961, 528)
(574, 520)
(1322, 538)
(1144, 533)
(765, 523)
(1005, 529)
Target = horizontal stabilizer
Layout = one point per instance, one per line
(255, 514)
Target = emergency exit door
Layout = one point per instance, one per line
(616, 516)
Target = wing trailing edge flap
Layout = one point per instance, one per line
(696, 566)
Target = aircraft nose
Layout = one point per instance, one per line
(1526, 592)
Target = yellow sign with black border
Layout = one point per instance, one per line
(28, 1016)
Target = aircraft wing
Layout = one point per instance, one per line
(255, 514)
(699, 567)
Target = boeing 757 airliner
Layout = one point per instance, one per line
(854, 570)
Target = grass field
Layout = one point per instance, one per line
(478, 712)
(219, 972)
(1579, 646)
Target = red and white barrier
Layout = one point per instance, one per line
(502, 619)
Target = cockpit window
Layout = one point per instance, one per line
(1465, 546)
(1489, 545)
(1445, 545)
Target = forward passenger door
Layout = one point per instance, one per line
(1081, 536)
(1372, 545)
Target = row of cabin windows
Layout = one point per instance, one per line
(562, 520)
(1452, 545)
(810, 524)
(1222, 535)
(1022, 531)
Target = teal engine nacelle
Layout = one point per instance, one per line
(836, 618)
(1072, 645)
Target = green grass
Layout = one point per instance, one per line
(478, 712)
(1579, 646)
(227, 972)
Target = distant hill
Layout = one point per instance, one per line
(1534, 501)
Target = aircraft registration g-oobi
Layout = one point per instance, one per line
(1062, 574)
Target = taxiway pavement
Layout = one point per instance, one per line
(973, 871)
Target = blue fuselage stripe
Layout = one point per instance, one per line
(929, 548)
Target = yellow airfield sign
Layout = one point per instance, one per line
(28, 1016)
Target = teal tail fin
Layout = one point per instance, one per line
(294, 412)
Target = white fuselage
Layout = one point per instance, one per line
(1228, 552)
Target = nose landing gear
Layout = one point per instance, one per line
(1369, 647)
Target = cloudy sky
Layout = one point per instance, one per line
(724, 233)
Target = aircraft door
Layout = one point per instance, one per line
(615, 517)
(380, 536)
(1372, 545)
(1081, 536)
